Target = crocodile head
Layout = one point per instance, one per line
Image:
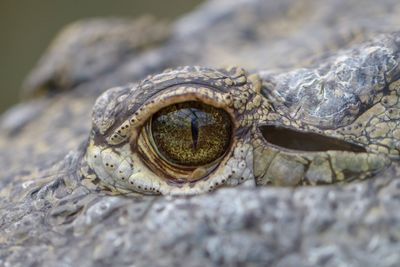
(191, 130)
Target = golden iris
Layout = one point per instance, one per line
(191, 133)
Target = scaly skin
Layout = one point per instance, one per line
(56, 210)
(329, 100)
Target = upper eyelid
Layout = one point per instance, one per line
(114, 110)
(168, 97)
(119, 102)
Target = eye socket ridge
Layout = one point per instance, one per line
(131, 127)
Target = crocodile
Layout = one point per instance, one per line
(246, 133)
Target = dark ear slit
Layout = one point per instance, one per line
(303, 141)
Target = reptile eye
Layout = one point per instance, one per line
(190, 134)
(168, 136)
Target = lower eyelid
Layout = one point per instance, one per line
(110, 160)
(124, 170)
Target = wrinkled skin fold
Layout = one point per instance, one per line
(335, 88)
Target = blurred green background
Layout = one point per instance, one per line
(27, 27)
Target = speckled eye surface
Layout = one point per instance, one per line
(190, 133)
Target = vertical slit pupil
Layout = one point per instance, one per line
(194, 128)
(191, 133)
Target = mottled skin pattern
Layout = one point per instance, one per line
(329, 68)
